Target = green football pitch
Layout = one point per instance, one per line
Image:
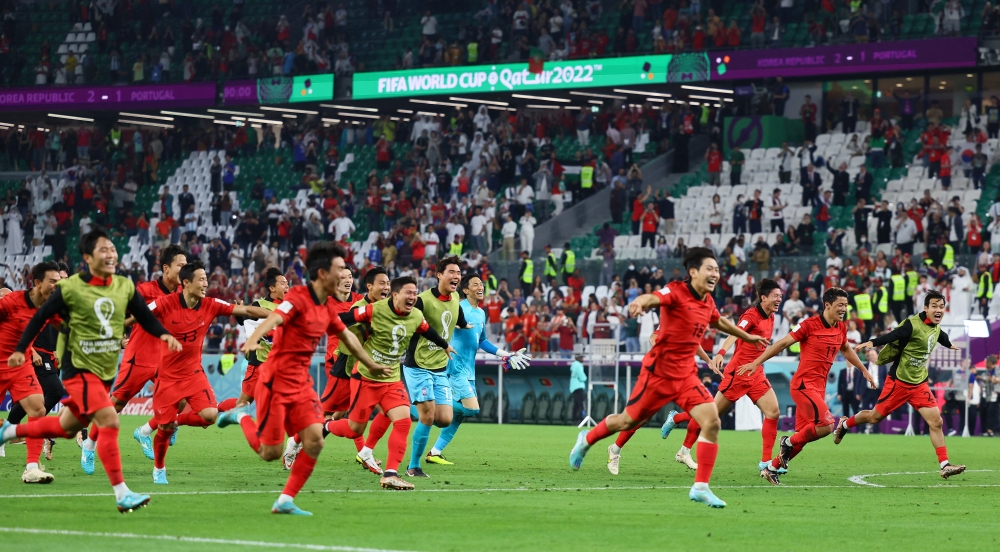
(511, 488)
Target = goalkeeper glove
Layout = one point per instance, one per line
(516, 361)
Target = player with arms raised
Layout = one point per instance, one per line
(181, 377)
(92, 305)
(669, 373)
(462, 367)
(822, 338)
(908, 348)
(757, 320)
(285, 395)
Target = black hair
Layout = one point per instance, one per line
(188, 270)
(373, 273)
(931, 295)
(442, 264)
(88, 242)
(320, 256)
(467, 279)
(831, 295)
(695, 256)
(38, 271)
(398, 283)
(63, 267)
(766, 286)
(169, 253)
(271, 275)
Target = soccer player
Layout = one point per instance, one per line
(426, 364)
(285, 395)
(907, 348)
(757, 320)
(669, 373)
(47, 371)
(16, 309)
(181, 377)
(140, 359)
(462, 367)
(93, 306)
(394, 323)
(336, 397)
(276, 285)
(821, 338)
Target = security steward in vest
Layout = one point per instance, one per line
(897, 295)
(550, 263)
(527, 274)
(568, 263)
(984, 293)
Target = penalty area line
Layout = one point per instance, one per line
(181, 538)
(861, 479)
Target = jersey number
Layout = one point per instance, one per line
(699, 330)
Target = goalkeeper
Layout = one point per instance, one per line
(462, 367)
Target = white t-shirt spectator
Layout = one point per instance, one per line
(236, 258)
(521, 20)
(739, 282)
(340, 17)
(340, 226)
(431, 239)
(509, 229)
(478, 223)
(454, 229)
(430, 24)
(835, 262)
(525, 195)
(792, 307)
(906, 231)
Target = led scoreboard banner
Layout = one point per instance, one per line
(159, 96)
(279, 90)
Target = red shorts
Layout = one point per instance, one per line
(21, 382)
(753, 385)
(87, 394)
(896, 393)
(279, 414)
(336, 396)
(131, 379)
(168, 394)
(249, 386)
(810, 408)
(652, 392)
(366, 394)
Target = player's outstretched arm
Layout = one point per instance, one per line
(726, 325)
(852, 357)
(770, 352)
(54, 305)
(642, 304)
(721, 355)
(354, 346)
(251, 312)
(253, 342)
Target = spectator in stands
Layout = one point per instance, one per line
(808, 112)
(736, 162)
(714, 159)
(811, 183)
(863, 182)
(755, 212)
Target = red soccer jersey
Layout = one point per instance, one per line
(305, 321)
(684, 317)
(336, 307)
(820, 344)
(16, 309)
(189, 326)
(143, 347)
(753, 322)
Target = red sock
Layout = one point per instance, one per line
(94, 432)
(152, 426)
(768, 433)
(341, 428)
(682, 417)
(942, 454)
(804, 436)
(301, 471)
(599, 432)
(227, 404)
(249, 428)
(706, 461)
(624, 436)
(397, 442)
(192, 419)
(692, 434)
(376, 430)
(33, 444)
(111, 458)
(296, 439)
(161, 442)
(48, 426)
(851, 422)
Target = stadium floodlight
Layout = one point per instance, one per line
(242, 113)
(146, 123)
(544, 106)
(194, 115)
(433, 102)
(266, 121)
(74, 118)
(354, 107)
(706, 89)
(655, 100)
(405, 110)
(596, 95)
(643, 93)
(543, 98)
(289, 110)
(364, 115)
(224, 122)
(487, 102)
(143, 116)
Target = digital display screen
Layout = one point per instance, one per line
(279, 90)
(108, 97)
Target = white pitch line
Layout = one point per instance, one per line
(179, 538)
(860, 479)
